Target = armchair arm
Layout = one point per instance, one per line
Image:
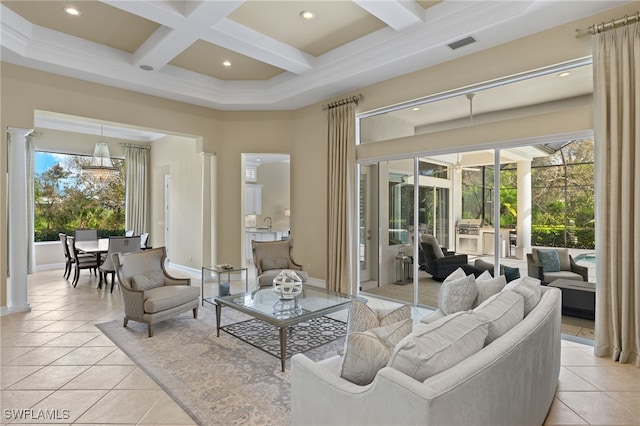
(582, 270)
(169, 280)
(133, 302)
(534, 269)
(454, 259)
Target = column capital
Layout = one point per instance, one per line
(19, 131)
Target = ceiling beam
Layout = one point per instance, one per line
(398, 14)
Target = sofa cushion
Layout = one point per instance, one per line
(502, 311)
(275, 263)
(148, 280)
(367, 352)
(162, 298)
(488, 286)
(363, 318)
(549, 260)
(567, 275)
(529, 289)
(433, 316)
(564, 258)
(432, 348)
(457, 294)
(430, 239)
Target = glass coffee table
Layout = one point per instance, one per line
(265, 305)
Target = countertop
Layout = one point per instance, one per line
(265, 230)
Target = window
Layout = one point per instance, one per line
(65, 200)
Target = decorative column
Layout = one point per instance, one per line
(18, 233)
(524, 209)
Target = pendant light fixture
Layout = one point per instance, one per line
(101, 167)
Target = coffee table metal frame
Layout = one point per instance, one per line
(220, 271)
(312, 303)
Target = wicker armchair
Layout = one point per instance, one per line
(437, 262)
(569, 269)
(149, 293)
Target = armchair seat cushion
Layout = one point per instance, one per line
(567, 275)
(266, 279)
(166, 297)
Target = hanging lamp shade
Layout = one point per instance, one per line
(101, 167)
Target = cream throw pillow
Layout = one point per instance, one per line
(363, 318)
(529, 289)
(502, 311)
(488, 286)
(457, 294)
(433, 348)
(148, 280)
(367, 352)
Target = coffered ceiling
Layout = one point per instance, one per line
(277, 59)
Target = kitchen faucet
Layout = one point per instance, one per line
(265, 219)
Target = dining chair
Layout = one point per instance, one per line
(128, 233)
(80, 262)
(67, 256)
(117, 245)
(86, 234)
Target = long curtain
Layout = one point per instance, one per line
(340, 190)
(616, 115)
(137, 189)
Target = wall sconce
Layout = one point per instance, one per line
(287, 212)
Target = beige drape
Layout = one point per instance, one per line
(616, 116)
(340, 190)
(137, 189)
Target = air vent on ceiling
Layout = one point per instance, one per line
(462, 42)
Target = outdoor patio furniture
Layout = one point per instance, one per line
(437, 262)
(542, 264)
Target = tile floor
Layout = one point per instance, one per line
(55, 362)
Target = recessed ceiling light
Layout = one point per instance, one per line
(226, 63)
(307, 14)
(415, 109)
(564, 74)
(71, 10)
(146, 67)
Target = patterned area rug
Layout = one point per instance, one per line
(217, 380)
(302, 337)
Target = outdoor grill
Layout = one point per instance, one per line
(469, 226)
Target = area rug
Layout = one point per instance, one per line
(216, 380)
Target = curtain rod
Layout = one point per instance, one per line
(349, 100)
(604, 26)
(128, 145)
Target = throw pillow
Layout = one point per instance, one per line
(275, 263)
(148, 280)
(549, 260)
(502, 312)
(457, 294)
(511, 273)
(363, 318)
(458, 273)
(367, 352)
(529, 289)
(433, 348)
(488, 286)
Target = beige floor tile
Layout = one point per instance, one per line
(7, 353)
(101, 340)
(611, 378)
(630, 400)
(116, 357)
(55, 315)
(100, 377)
(28, 326)
(84, 356)
(587, 333)
(570, 329)
(598, 408)
(36, 339)
(17, 400)
(63, 326)
(73, 339)
(49, 377)
(138, 379)
(43, 355)
(578, 357)
(570, 381)
(89, 327)
(12, 374)
(50, 306)
(70, 404)
(166, 412)
(11, 338)
(122, 406)
(560, 414)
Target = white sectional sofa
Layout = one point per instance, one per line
(511, 381)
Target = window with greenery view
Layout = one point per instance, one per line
(66, 200)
